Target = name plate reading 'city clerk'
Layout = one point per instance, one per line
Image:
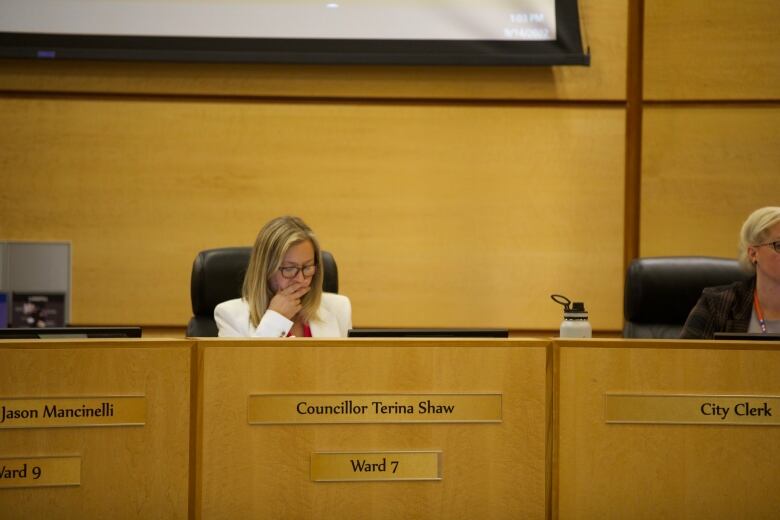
(372, 466)
(693, 409)
(40, 472)
(63, 412)
(374, 408)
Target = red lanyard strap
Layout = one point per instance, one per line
(759, 314)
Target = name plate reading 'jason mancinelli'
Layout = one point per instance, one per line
(64, 412)
(373, 408)
(40, 472)
(693, 409)
(392, 465)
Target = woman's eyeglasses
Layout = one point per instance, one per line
(290, 272)
(775, 245)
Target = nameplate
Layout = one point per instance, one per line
(373, 466)
(379, 408)
(693, 409)
(40, 472)
(72, 412)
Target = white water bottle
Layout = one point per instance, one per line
(575, 322)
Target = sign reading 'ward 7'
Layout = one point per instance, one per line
(372, 466)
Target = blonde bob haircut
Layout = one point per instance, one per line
(755, 231)
(272, 243)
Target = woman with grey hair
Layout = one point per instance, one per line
(282, 292)
(749, 306)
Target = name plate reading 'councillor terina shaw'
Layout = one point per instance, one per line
(731, 410)
(40, 472)
(372, 466)
(373, 408)
(64, 412)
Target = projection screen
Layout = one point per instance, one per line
(530, 32)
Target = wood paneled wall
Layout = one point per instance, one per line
(702, 50)
(450, 196)
(427, 209)
(711, 123)
(706, 168)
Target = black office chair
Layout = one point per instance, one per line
(217, 276)
(660, 292)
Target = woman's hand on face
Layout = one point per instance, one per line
(287, 301)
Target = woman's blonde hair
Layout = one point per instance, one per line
(755, 231)
(272, 243)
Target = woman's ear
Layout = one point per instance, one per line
(752, 255)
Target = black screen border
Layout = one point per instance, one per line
(428, 333)
(70, 333)
(746, 336)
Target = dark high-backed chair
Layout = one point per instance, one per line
(660, 292)
(217, 276)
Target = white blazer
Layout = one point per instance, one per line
(334, 320)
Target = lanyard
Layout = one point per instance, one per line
(759, 314)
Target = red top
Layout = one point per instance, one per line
(306, 331)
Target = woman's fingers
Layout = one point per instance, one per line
(295, 290)
(287, 301)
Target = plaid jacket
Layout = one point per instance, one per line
(726, 308)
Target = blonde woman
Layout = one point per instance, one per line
(282, 292)
(749, 306)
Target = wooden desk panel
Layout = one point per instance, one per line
(492, 470)
(664, 471)
(126, 472)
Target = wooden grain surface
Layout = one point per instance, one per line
(126, 472)
(705, 169)
(702, 50)
(489, 470)
(437, 215)
(664, 471)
